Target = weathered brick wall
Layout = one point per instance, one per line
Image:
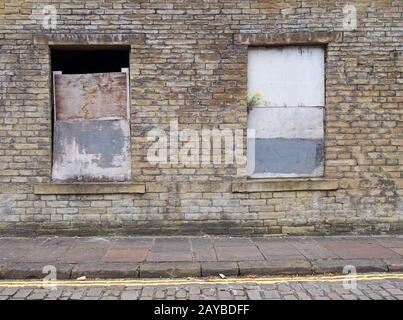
(189, 62)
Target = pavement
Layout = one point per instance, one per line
(181, 257)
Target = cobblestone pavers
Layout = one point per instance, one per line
(389, 289)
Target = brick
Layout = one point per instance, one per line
(298, 230)
(8, 58)
(130, 295)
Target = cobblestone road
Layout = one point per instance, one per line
(390, 289)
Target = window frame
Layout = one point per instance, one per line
(256, 41)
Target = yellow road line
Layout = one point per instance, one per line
(201, 281)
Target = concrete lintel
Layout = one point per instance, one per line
(89, 39)
(288, 38)
(89, 188)
(277, 185)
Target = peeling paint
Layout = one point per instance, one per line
(91, 150)
(287, 125)
(288, 142)
(91, 130)
(288, 76)
(289, 156)
(290, 122)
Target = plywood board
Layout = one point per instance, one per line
(289, 156)
(286, 142)
(95, 96)
(95, 150)
(288, 76)
(292, 123)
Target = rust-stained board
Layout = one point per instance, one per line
(91, 96)
(92, 130)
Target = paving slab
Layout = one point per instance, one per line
(170, 270)
(125, 255)
(394, 264)
(22, 241)
(312, 249)
(34, 270)
(232, 242)
(254, 267)
(390, 242)
(337, 265)
(16, 253)
(278, 250)
(203, 250)
(204, 254)
(58, 241)
(106, 270)
(47, 253)
(288, 267)
(169, 256)
(357, 249)
(171, 243)
(131, 242)
(399, 251)
(234, 253)
(217, 268)
(170, 249)
(78, 254)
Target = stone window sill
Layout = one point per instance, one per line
(89, 188)
(279, 185)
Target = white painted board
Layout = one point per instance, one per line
(288, 76)
(290, 123)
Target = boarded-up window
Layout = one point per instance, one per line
(91, 127)
(286, 128)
